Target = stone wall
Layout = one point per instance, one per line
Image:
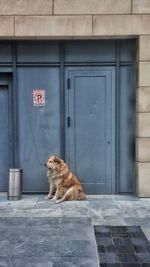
(74, 18)
(92, 19)
(143, 117)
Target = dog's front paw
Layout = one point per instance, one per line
(57, 201)
(54, 198)
(48, 196)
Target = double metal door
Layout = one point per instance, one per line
(89, 130)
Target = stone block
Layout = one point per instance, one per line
(92, 7)
(143, 124)
(143, 99)
(25, 7)
(143, 149)
(141, 6)
(53, 26)
(144, 47)
(144, 73)
(143, 183)
(115, 25)
(6, 26)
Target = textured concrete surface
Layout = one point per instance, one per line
(142, 149)
(144, 51)
(27, 7)
(36, 232)
(141, 6)
(143, 99)
(143, 124)
(53, 26)
(109, 25)
(6, 26)
(143, 170)
(144, 77)
(92, 7)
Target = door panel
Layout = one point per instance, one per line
(39, 126)
(90, 51)
(90, 137)
(127, 126)
(4, 138)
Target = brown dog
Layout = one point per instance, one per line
(62, 181)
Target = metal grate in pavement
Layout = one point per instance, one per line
(122, 246)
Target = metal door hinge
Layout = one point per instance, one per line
(68, 83)
(68, 122)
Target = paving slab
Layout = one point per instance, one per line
(50, 240)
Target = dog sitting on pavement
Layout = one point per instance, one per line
(62, 181)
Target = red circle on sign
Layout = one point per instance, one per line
(39, 97)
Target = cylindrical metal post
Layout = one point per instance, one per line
(15, 184)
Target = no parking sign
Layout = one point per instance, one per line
(39, 97)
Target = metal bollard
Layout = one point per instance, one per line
(14, 184)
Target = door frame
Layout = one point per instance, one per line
(6, 80)
(11, 66)
(112, 152)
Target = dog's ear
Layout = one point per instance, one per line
(56, 159)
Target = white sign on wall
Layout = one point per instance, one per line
(39, 97)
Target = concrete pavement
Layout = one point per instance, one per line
(36, 232)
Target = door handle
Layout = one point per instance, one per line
(68, 122)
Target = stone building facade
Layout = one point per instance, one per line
(93, 19)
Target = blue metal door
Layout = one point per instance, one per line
(4, 132)
(90, 117)
(39, 123)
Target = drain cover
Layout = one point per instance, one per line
(122, 246)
